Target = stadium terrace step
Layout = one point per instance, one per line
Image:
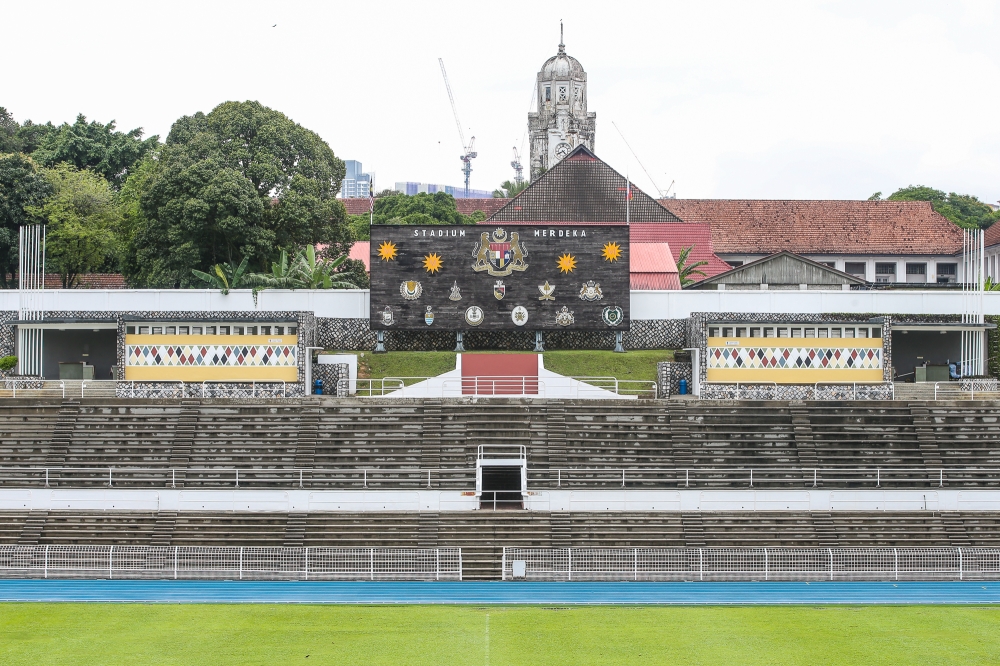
(906, 391)
(483, 534)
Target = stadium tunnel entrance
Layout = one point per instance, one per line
(84, 350)
(501, 477)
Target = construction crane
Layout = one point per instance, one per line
(468, 151)
(518, 169)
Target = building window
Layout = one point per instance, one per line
(727, 332)
(157, 330)
(183, 330)
(735, 263)
(741, 332)
(562, 93)
(210, 330)
(885, 272)
(848, 332)
(548, 94)
(769, 332)
(810, 333)
(265, 330)
(713, 332)
(754, 332)
(171, 330)
(855, 268)
(196, 330)
(144, 330)
(821, 333)
(947, 273)
(834, 332)
(130, 330)
(796, 332)
(916, 273)
(223, 330)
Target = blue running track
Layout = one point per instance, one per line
(486, 593)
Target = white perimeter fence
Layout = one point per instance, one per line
(752, 564)
(230, 563)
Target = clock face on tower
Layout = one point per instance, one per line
(562, 150)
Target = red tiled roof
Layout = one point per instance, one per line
(464, 206)
(88, 281)
(992, 235)
(678, 236)
(651, 266)
(828, 227)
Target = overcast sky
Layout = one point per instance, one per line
(730, 99)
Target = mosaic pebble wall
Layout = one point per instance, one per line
(355, 335)
(669, 375)
(795, 392)
(331, 374)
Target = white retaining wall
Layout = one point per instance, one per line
(353, 303)
(252, 501)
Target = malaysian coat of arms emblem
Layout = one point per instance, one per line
(456, 293)
(410, 290)
(591, 291)
(546, 291)
(612, 315)
(499, 255)
(474, 316)
(429, 316)
(387, 319)
(564, 317)
(499, 290)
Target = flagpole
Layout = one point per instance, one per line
(371, 202)
(628, 197)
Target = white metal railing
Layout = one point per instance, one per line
(753, 564)
(967, 389)
(228, 388)
(230, 562)
(147, 389)
(854, 388)
(555, 477)
(24, 387)
(504, 451)
(498, 386)
(98, 388)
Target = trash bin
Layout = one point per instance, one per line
(318, 387)
(683, 387)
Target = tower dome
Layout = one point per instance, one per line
(562, 121)
(562, 65)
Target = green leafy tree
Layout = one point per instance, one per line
(685, 270)
(964, 210)
(81, 217)
(423, 208)
(305, 271)
(509, 189)
(241, 181)
(95, 146)
(8, 133)
(22, 186)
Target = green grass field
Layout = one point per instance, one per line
(590, 363)
(68, 634)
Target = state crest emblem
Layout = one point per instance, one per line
(612, 315)
(519, 315)
(591, 291)
(499, 290)
(410, 290)
(498, 255)
(387, 319)
(474, 316)
(456, 293)
(565, 317)
(429, 316)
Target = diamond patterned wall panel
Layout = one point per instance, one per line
(244, 356)
(816, 358)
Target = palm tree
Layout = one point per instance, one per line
(509, 189)
(304, 271)
(685, 271)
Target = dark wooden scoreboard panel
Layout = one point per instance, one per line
(451, 271)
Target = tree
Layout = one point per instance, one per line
(509, 189)
(964, 210)
(305, 271)
(81, 216)
(241, 181)
(21, 186)
(422, 208)
(225, 276)
(95, 146)
(685, 271)
(8, 133)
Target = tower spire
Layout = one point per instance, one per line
(562, 47)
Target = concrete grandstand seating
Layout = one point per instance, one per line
(482, 534)
(385, 444)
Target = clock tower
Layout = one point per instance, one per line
(561, 122)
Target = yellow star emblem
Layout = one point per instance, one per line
(612, 251)
(387, 251)
(566, 263)
(433, 263)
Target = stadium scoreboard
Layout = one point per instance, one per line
(485, 277)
